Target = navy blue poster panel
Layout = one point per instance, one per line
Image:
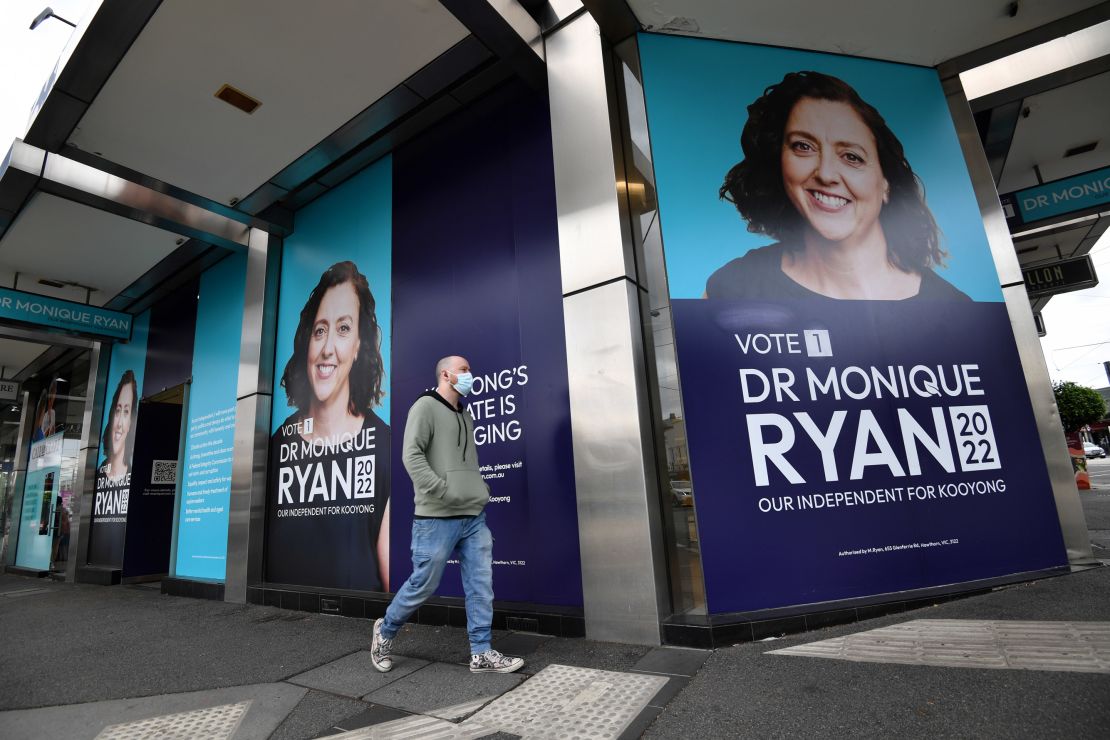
(117, 446)
(854, 403)
(169, 354)
(151, 500)
(329, 482)
(169, 350)
(476, 273)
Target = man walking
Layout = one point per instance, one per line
(441, 459)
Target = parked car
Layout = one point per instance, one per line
(1093, 450)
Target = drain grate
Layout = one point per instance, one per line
(213, 723)
(568, 701)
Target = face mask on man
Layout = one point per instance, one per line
(464, 383)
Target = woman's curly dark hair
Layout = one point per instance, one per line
(755, 186)
(367, 370)
(128, 379)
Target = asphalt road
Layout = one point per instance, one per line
(1096, 507)
(1099, 471)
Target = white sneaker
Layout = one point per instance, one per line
(380, 648)
(492, 661)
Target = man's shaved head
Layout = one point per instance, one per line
(450, 363)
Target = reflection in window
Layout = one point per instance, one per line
(680, 525)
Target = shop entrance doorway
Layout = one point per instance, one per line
(154, 487)
(40, 441)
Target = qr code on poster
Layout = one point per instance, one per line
(164, 473)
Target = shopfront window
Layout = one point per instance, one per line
(53, 426)
(677, 486)
(10, 412)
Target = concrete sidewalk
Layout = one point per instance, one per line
(79, 658)
(88, 661)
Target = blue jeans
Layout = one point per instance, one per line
(433, 541)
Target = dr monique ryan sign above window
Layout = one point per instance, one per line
(1071, 195)
(29, 308)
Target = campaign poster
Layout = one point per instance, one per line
(117, 446)
(40, 499)
(202, 516)
(855, 408)
(476, 274)
(328, 492)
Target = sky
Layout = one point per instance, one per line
(28, 57)
(1078, 326)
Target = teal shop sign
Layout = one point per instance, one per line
(1089, 190)
(29, 308)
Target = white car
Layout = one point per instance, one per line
(1093, 450)
(682, 494)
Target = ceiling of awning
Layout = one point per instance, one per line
(1058, 120)
(313, 66)
(925, 33)
(17, 354)
(63, 241)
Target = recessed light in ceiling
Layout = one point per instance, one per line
(1081, 149)
(238, 98)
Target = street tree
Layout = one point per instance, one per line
(1078, 405)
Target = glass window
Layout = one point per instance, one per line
(677, 488)
(53, 424)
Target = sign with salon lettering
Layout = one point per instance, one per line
(1060, 277)
(52, 313)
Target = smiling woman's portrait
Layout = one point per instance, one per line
(335, 374)
(119, 432)
(335, 379)
(825, 177)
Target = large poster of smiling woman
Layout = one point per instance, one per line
(329, 482)
(117, 446)
(854, 404)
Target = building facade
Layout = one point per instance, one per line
(752, 348)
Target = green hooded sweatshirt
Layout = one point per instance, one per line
(441, 459)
